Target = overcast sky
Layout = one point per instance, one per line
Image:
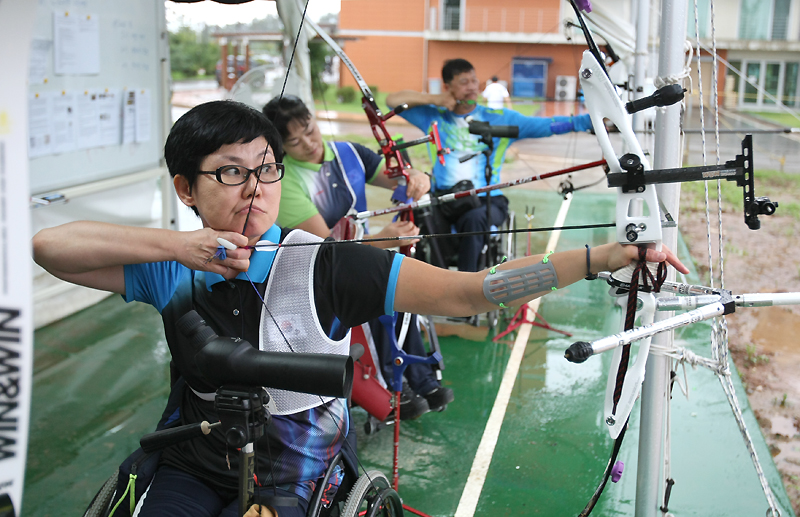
(213, 13)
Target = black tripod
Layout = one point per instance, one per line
(241, 370)
(243, 419)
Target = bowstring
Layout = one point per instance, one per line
(283, 89)
(261, 298)
(244, 228)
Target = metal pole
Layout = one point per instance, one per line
(649, 485)
(640, 58)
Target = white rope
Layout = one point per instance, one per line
(719, 330)
(730, 393)
(660, 82)
(685, 356)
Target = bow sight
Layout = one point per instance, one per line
(635, 179)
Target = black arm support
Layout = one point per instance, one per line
(232, 361)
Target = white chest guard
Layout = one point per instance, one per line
(289, 295)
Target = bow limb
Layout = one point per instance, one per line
(395, 165)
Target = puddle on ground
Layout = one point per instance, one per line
(778, 335)
(783, 426)
(778, 331)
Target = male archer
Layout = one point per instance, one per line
(453, 109)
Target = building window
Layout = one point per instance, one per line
(771, 82)
(733, 75)
(529, 77)
(764, 83)
(753, 75)
(451, 17)
(790, 96)
(763, 19)
(732, 83)
(780, 19)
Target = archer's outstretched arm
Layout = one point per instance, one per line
(93, 254)
(414, 98)
(425, 289)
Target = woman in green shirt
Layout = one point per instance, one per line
(323, 182)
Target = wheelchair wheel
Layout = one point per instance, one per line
(100, 505)
(373, 496)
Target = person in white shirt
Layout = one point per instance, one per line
(495, 94)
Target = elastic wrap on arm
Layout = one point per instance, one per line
(504, 286)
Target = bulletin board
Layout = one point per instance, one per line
(98, 86)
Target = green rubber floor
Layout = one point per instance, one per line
(101, 381)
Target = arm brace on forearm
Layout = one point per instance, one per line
(505, 286)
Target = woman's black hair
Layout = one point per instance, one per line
(454, 67)
(207, 127)
(282, 110)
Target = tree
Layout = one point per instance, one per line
(320, 57)
(190, 52)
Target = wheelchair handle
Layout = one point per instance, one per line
(158, 440)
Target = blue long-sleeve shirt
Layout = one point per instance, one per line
(454, 132)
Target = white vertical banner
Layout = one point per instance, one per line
(16, 331)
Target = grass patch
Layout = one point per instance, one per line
(754, 358)
(784, 119)
(778, 186)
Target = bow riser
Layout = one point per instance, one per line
(603, 102)
(394, 162)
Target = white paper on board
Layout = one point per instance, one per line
(128, 116)
(39, 129)
(76, 43)
(109, 113)
(88, 122)
(143, 102)
(37, 64)
(63, 119)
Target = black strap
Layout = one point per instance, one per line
(589, 274)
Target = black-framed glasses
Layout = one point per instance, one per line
(237, 174)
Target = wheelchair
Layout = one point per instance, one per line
(340, 492)
(443, 252)
(369, 494)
